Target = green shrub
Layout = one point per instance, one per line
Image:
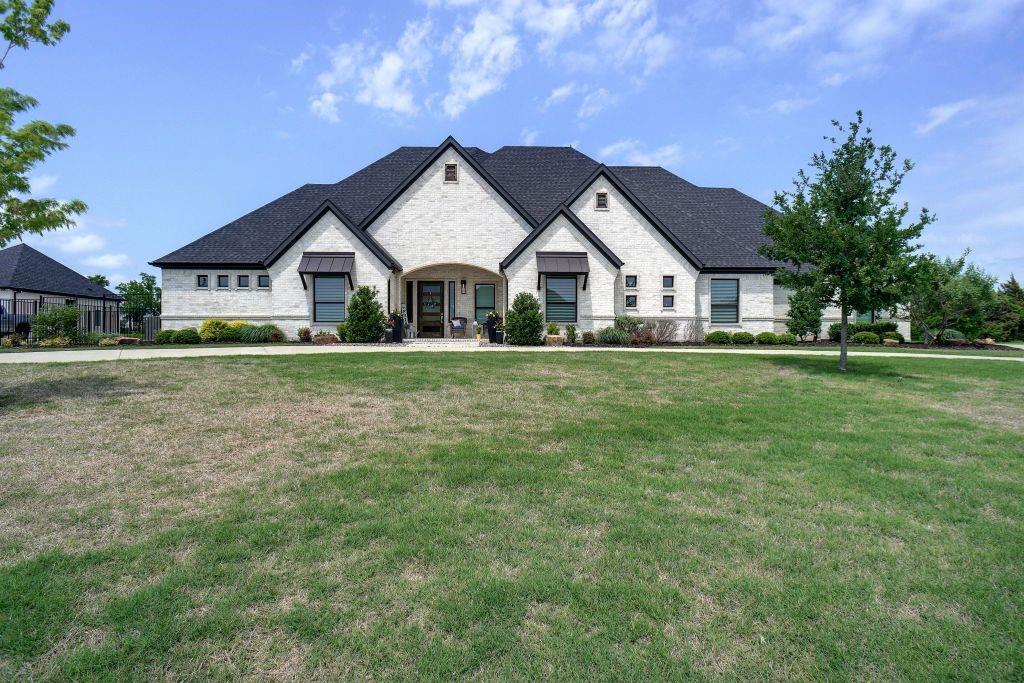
(260, 334)
(866, 338)
(305, 335)
(628, 324)
(189, 335)
(210, 330)
(164, 337)
(613, 336)
(894, 335)
(553, 329)
(588, 338)
(879, 328)
(92, 338)
(108, 341)
(804, 313)
(366, 319)
(742, 338)
(230, 333)
(342, 330)
(952, 335)
(524, 322)
(787, 338)
(56, 321)
(767, 338)
(718, 337)
(56, 342)
(570, 334)
(11, 341)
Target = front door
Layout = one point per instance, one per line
(430, 309)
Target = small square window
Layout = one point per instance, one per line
(243, 282)
(631, 301)
(631, 281)
(202, 281)
(668, 301)
(668, 281)
(451, 173)
(263, 281)
(602, 200)
(223, 281)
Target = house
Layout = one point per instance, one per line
(454, 232)
(31, 281)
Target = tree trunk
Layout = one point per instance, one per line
(842, 339)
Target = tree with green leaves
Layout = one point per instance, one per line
(950, 294)
(804, 313)
(841, 229)
(99, 279)
(365, 317)
(1008, 315)
(141, 298)
(23, 147)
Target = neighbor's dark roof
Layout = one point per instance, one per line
(26, 269)
(720, 226)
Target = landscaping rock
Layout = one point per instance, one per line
(890, 342)
(987, 341)
(554, 340)
(324, 339)
(127, 341)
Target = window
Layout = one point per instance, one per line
(668, 301)
(451, 299)
(560, 299)
(631, 301)
(223, 281)
(328, 298)
(602, 200)
(451, 173)
(868, 317)
(668, 281)
(202, 281)
(631, 281)
(263, 281)
(243, 282)
(484, 302)
(725, 301)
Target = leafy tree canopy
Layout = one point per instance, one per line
(99, 279)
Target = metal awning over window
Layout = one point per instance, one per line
(563, 263)
(327, 263)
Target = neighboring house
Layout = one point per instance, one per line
(31, 281)
(445, 232)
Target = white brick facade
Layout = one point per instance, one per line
(454, 231)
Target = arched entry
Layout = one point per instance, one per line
(434, 295)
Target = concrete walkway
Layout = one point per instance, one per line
(130, 353)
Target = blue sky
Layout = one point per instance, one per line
(191, 114)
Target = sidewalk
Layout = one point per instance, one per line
(128, 353)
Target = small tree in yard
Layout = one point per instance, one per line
(804, 313)
(950, 294)
(842, 230)
(524, 322)
(365, 318)
(101, 280)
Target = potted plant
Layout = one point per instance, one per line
(493, 321)
(396, 322)
(553, 337)
(499, 333)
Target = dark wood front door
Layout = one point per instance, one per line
(430, 309)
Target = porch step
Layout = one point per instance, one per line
(443, 342)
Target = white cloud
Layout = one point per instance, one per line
(42, 183)
(555, 22)
(560, 94)
(107, 260)
(790, 105)
(299, 61)
(629, 30)
(595, 102)
(835, 80)
(388, 84)
(942, 114)
(79, 243)
(635, 153)
(325, 106)
(529, 136)
(484, 56)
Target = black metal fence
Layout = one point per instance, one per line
(94, 315)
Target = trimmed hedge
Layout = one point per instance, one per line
(894, 335)
(866, 338)
(767, 338)
(189, 335)
(787, 338)
(588, 337)
(878, 328)
(164, 337)
(211, 328)
(718, 337)
(524, 323)
(742, 338)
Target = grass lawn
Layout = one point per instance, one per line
(584, 515)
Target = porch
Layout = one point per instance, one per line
(432, 296)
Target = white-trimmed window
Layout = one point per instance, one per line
(631, 301)
(668, 281)
(601, 201)
(668, 302)
(242, 282)
(202, 281)
(451, 173)
(263, 281)
(631, 282)
(223, 281)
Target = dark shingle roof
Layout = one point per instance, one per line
(721, 227)
(26, 269)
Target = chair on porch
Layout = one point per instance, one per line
(457, 327)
